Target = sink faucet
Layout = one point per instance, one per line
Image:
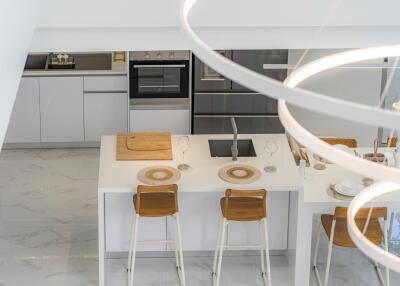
(234, 147)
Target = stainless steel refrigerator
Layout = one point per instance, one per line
(216, 98)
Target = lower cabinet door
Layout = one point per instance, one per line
(199, 214)
(173, 121)
(277, 217)
(24, 125)
(105, 114)
(61, 109)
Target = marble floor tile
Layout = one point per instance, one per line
(48, 233)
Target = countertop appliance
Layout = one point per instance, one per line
(159, 74)
(217, 99)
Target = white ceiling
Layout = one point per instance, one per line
(232, 13)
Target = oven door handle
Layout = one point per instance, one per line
(159, 66)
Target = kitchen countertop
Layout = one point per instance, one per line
(316, 182)
(120, 176)
(118, 68)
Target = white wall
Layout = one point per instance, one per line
(17, 22)
(210, 13)
(362, 85)
(105, 39)
(285, 23)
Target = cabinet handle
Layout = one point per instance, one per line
(159, 66)
(237, 116)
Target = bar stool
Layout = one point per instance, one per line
(156, 201)
(243, 205)
(335, 226)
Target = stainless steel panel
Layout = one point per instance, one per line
(206, 79)
(245, 125)
(222, 148)
(255, 59)
(159, 55)
(234, 103)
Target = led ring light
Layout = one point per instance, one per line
(336, 107)
(340, 108)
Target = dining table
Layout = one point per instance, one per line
(317, 198)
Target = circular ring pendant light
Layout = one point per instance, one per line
(373, 116)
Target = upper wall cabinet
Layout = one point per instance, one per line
(24, 126)
(61, 106)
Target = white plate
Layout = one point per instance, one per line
(349, 188)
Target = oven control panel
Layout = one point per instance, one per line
(159, 55)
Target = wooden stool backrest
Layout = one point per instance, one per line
(141, 189)
(231, 193)
(391, 142)
(349, 142)
(363, 214)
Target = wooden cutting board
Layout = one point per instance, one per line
(144, 146)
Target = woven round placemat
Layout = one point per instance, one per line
(159, 175)
(239, 174)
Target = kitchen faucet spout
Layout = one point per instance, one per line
(234, 147)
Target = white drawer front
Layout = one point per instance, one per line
(105, 83)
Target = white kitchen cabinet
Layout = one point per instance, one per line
(105, 114)
(175, 121)
(61, 107)
(118, 220)
(24, 125)
(106, 83)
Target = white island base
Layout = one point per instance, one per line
(200, 190)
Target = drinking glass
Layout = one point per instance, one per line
(270, 147)
(183, 146)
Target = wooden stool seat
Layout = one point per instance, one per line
(155, 204)
(341, 236)
(243, 208)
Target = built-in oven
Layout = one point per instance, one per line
(159, 74)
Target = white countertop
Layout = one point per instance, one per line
(316, 182)
(120, 176)
(117, 68)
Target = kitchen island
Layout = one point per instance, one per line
(200, 189)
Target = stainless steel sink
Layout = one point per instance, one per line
(95, 61)
(222, 148)
(36, 62)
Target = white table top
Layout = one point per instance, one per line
(316, 182)
(120, 176)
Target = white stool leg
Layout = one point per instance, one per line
(181, 264)
(328, 261)
(214, 270)
(267, 251)
(176, 244)
(132, 251)
(263, 272)
(131, 246)
(316, 255)
(385, 236)
(221, 249)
